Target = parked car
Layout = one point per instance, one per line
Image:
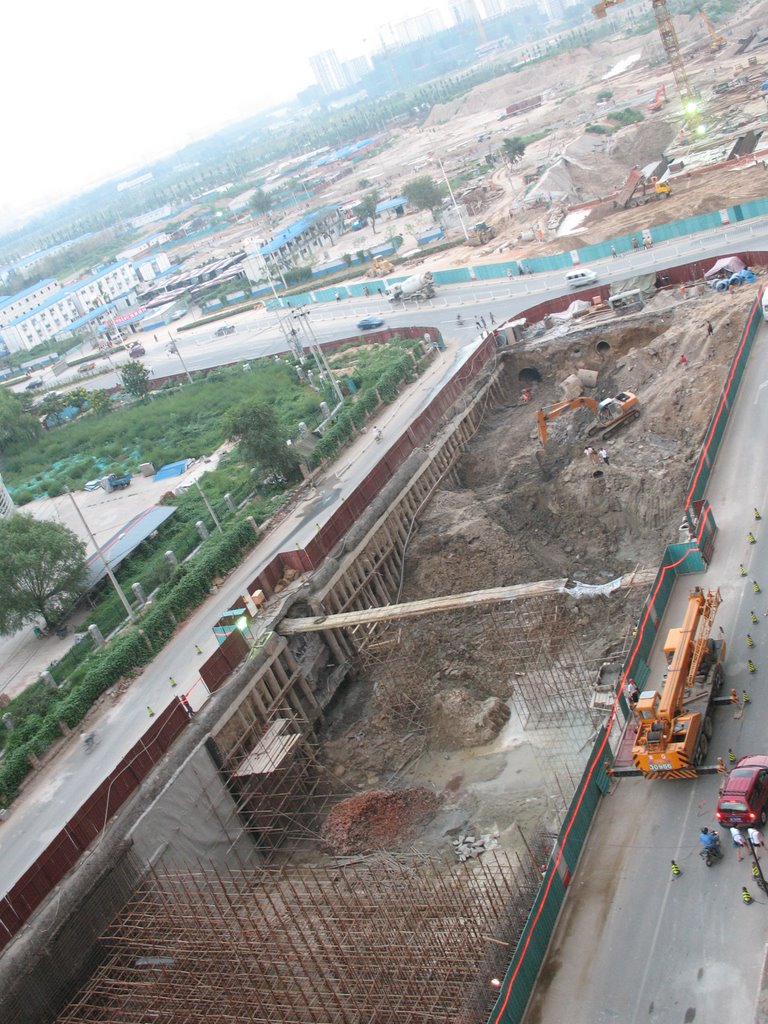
(137, 351)
(744, 797)
(225, 329)
(370, 323)
(34, 384)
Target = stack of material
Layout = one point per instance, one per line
(472, 846)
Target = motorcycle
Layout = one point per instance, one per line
(713, 851)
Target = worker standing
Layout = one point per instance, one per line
(739, 842)
(603, 456)
(756, 839)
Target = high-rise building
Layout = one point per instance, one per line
(462, 11)
(7, 507)
(355, 69)
(327, 70)
(418, 27)
(496, 7)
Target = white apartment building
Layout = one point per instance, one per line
(152, 266)
(25, 324)
(7, 507)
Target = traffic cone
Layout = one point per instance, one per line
(731, 756)
(753, 617)
(742, 569)
(171, 680)
(755, 869)
(150, 712)
(757, 515)
(198, 649)
(756, 587)
(750, 641)
(734, 697)
(745, 895)
(752, 667)
(676, 872)
(720, 765)
(744, 697)
(751, 538)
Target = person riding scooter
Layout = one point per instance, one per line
(711, 843)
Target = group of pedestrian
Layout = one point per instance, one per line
(740, 841)
(599, 456)
(480, 323)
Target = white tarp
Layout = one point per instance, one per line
(577, 306)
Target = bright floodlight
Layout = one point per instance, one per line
(242, 623)
(701, 129)
(691, 107)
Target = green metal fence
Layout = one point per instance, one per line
(703, 468)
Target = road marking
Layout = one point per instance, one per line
(759, 389)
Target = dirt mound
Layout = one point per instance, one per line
(378, 819)
(457, 720)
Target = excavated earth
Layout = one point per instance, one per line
(432, 709)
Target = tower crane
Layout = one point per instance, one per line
(717, 42)
(671, 46)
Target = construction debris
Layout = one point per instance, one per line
(471, 847)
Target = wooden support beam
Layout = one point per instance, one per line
(497, 595)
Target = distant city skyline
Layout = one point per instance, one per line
(106, 94)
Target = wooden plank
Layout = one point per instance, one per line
(497, 595)
(270, 750)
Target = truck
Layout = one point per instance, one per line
(641, 188)
(419, 286)
(674, 726)
(610, 413)
(116, 481)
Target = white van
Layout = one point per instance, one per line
(580, 278)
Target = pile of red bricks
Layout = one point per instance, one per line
(378, 819)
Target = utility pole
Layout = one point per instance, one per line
(208, 505)
(453, 200)
(175, 348)
(303, 317)
(102, 556)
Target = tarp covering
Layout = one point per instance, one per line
(171, 469)
(727, 265)
(577, 306)
(645, 283)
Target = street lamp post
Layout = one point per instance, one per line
(208, 505)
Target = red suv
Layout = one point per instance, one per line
(744, 797)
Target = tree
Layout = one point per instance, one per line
(99, 401)
(261, 201)
(17, 425)
(424, 193)
(42, 571)
(366, 209)
(262, 439)
(135, 378)
(513, 149)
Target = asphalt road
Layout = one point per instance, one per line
(634, 945)
(259, 334)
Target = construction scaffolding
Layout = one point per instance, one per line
(279, 788)
(373, 940)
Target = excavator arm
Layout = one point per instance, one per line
(543, 416)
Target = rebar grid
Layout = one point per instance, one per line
(384, 941)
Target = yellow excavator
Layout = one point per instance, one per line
(610, 413)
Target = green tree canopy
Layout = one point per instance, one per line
(262, 439)
(42, 570)
(261, 201)
(513, 148)
(135, 378)
(17, 426)
(424, 193)
(99, 400)
(366, 209)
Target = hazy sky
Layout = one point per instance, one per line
(91, 88)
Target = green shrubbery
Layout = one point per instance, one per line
(38, 710)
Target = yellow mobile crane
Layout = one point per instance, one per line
(671, 46)
(717, 42)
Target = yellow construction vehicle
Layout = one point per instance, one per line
(672, 738)
(379, 267)
(611, 413)
(717, 42)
